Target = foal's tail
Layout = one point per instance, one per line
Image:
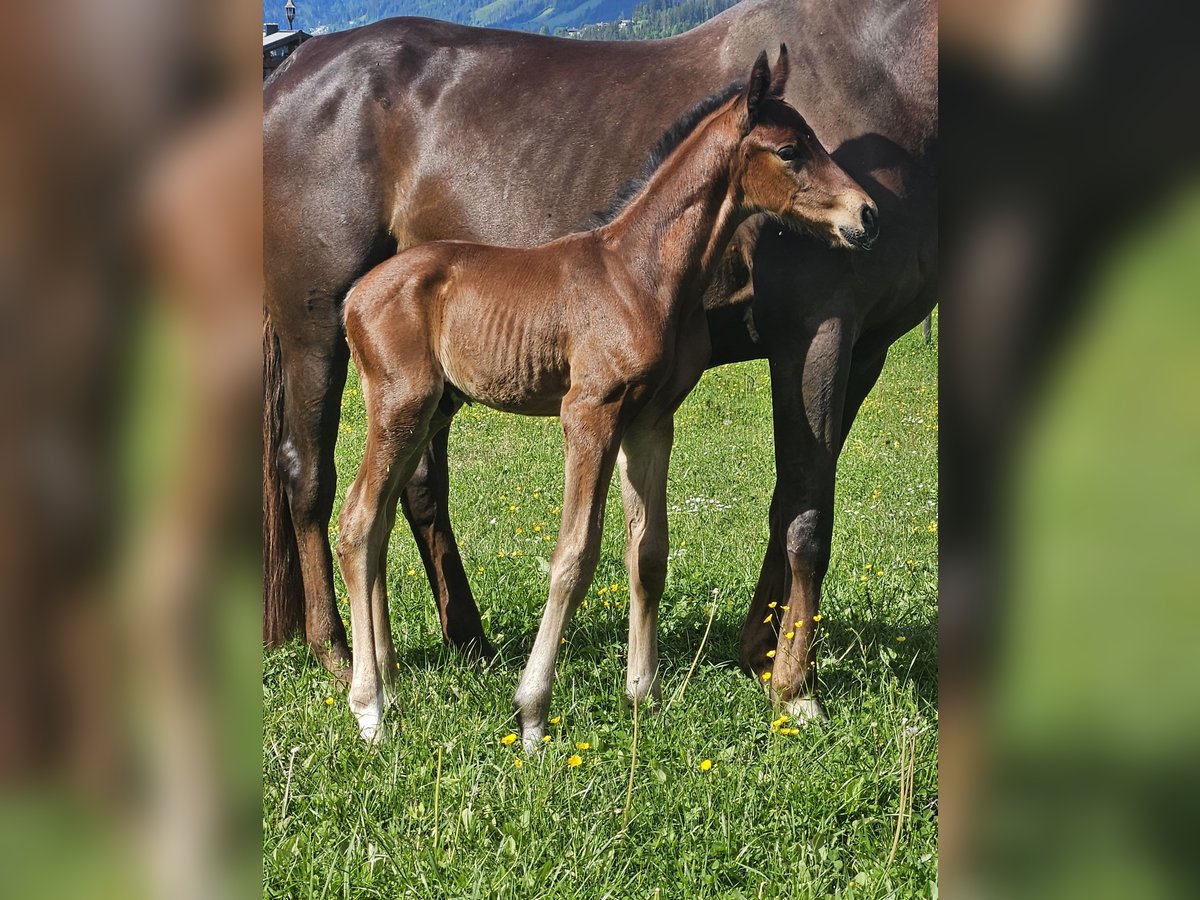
(283, 589)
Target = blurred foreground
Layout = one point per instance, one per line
(129, 258)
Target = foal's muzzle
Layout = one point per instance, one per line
(864, 236)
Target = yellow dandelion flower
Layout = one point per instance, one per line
(614, 587)
(799, 623)
(791, 731)
(516, 553)
(583, 745)
(931, 528)
(770, 654)
(766, 620)
(705, 765)
(772, 604)
(545, 738)
(790, 635)
(412, 572)
(537, 527)
(479, 571)
(602, 591)
(502, 554)
(901, 638)
(817, 617)
(329, 701)
(517, 762)
(766, 676)
(785, 608)
(508, 740)
(512, 507)
(574, 760)
(556, 720)
(520, 531)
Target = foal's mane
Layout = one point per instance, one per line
(663, 148)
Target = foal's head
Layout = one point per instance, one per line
(784, 170)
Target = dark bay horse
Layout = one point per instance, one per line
(412, 130)
(604, 328)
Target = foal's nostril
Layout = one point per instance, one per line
(870, 221)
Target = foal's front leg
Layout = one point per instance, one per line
(591, 433)
(645, 454)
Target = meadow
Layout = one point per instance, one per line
(727, 799)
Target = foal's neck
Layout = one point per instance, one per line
(674, 231)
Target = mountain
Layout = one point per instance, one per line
(319, 16)
(654, 18)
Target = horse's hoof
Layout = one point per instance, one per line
(805, 710)
(477, 649)
(533, 739)
(337, 661)
(370, 729)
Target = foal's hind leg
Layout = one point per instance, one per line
(399, 422)
(645, 453)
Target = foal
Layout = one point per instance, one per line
(604, 328)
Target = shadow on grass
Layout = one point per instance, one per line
(864, 647)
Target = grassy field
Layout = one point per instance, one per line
(723, 803)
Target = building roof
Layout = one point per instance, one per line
(281, 37)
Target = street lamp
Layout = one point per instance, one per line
(290, 10)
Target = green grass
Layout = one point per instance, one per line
(810, 815)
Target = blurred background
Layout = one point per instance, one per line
(130, 756)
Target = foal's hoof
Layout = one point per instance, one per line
(533, 739)
(805, 710)
(370, 729)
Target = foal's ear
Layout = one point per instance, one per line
(756, 89)
(780, 75)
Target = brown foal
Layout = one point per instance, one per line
(604, 328)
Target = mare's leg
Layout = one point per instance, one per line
(808, 396)
(425, 502)
(399, 421)
(591, 433)
(757, 636)
(645, 454)
(315, 370)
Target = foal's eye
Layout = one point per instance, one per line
(787, 153)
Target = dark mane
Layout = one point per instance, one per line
(663, 148)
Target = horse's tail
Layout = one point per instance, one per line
(283, 589)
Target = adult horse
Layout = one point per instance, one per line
(412, 130)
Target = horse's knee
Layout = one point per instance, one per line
(808, 542)
(422, 504)
(650, 558)
(354, 527)
(308, 498)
